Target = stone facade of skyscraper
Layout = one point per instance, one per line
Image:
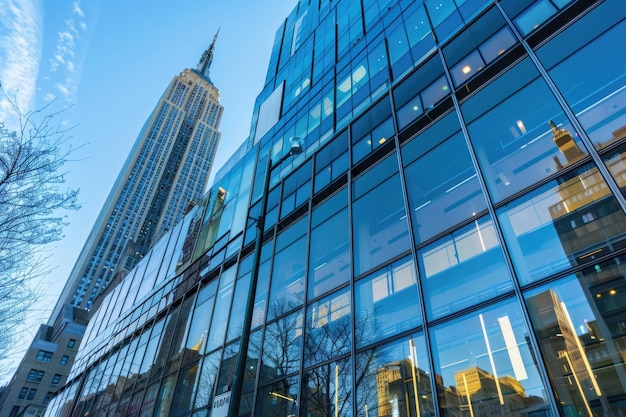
(167, 168)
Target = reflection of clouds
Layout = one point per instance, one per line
(21, 43)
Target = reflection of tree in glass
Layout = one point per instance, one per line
(283, 339)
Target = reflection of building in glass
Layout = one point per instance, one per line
(434, 213)
(398, 383)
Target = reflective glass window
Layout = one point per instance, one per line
(327, 390)
(329, 249)
(463, 269)
(592, 79)
(519, 132)
(289, 270)
(282, 347)
(278, 399)
(580, 324)
(332, 161)
(440, 178)
(235, 324)
(197, 335)
(328, 328)
(372, 130)
(210, 365)
(484, 364)
(379, 216)
(185, 390)
(386, 303)
(616, 163)
(166, 396)
(390, 378)
(223, 301)
(569, 221)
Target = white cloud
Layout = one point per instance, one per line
(21, 40)
(65, 51)
(49, 97)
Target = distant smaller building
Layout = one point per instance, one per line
(45, 365)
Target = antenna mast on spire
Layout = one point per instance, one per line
(207, 57)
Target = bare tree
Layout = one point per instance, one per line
(32, 158)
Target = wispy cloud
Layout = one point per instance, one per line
(21, 40)
(64, 60)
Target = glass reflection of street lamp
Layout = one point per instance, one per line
(240, 368)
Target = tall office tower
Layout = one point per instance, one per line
(427, 219)
(167, 168)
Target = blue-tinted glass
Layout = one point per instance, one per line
(329, 249)
(484, 361)
(328, 389)
(616, 163)
(210, 365)
(379, 225)
(440, 179)
(390, 378)
(445, 17)
(328, 328)
(570, 221)
(386, 302)
(281, 347)
(467, 67)
(223, 301)
(510, 124)
(593, 81)
(463, 269)
(278, 399)
(534, 16)
(235, 324)
(185, 389)
(579, 323)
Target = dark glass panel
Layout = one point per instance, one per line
(210, 365)
(282, 347)
(278, 399)
(327, 389)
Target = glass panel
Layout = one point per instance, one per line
(235, 324)
(328, 328)
(581, 327)
(386, 303)
(616, 163)
(467, 67)
(210, 365)
(444, 16)
(166, 394)
(391, 377)
(199, 328)
(450, 192)
(484, 365)
(519, 131)
(570, 221)
(593, 81)
(287, 287)
(379, 222)
(535, 15)
(328, 389)
(185, 390)
(281, 347)
(278, 399)
(463, 269)
(222, 308)
(329, 249)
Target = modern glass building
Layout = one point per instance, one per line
(450, 241)
(168, 166)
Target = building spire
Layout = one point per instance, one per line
(207, 57)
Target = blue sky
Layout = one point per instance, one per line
(109, 61)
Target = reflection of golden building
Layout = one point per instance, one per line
(480, 394)
(397, 384)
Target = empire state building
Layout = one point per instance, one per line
(167, 168)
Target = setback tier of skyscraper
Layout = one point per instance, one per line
(442, 231)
